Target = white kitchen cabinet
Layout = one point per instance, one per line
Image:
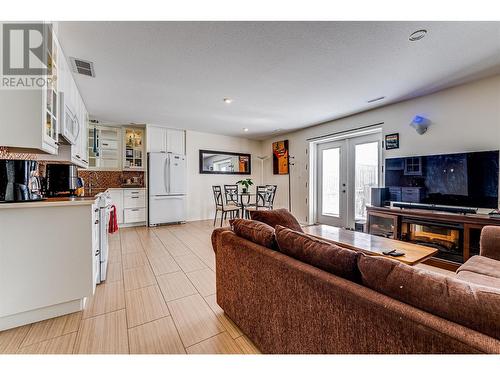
(117, 198)
(52, 270)
(104, 147)
(156, 139)
(72, 119)
(29, 117)
(176, 141)
(130, 205)
(161, 139)
(133, 149)
(134, 215)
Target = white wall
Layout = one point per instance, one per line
(201, 204)
(464, 118)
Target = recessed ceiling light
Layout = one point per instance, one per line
(245, 129)
(228, 100)
(375, 99)
(417, 35)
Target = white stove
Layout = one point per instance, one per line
(105, 204)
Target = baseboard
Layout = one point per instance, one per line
(32, 316)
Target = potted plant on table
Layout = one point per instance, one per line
(246, 183)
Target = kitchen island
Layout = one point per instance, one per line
(47, 258)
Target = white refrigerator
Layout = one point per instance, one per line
(166, 188)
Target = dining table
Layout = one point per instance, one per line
(244, 200)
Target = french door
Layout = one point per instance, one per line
(346, 171)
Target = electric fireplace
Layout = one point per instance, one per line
(445, 237)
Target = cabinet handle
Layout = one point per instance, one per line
(135, 210)
(134, 197)
(96, 222)
(96, 210)
(97, 252)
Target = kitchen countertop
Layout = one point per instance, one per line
(51, 202)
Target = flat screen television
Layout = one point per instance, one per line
(466, 179)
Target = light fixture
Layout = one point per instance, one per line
(375, 99)
(245, 129)
(228, 100)
(420, 124)
(417, 35)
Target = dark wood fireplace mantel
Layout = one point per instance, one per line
(394, 223)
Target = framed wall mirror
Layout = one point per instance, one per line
(221, 162)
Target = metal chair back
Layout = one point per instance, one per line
(231, 194)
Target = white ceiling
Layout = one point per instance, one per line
(280, 75)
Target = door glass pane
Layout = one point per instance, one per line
(331, 182)
(366, 176)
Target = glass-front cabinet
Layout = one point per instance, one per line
(133, 148)
(104, 147)
(51, 97)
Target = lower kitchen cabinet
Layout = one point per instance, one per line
(130, 205)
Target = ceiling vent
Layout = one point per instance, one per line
(83, 67)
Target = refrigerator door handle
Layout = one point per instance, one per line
(166, 175)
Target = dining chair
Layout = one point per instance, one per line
(220, 205)
(271, 189)
(264, 199)
(231, 194)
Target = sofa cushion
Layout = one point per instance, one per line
(481, 265)
(326, 256)
(477, 278)
(277, 217)
(255, 231)
(490, 242)
(471, 305)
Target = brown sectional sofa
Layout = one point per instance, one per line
(285, 305)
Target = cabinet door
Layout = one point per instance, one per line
(117, 198)
(156, 139)
(176, 141)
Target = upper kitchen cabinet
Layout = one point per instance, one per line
(29, 108)
(161, 139)
(133, 148)
(73, 119)
(104, 147)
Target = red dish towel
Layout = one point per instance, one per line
(113, 222)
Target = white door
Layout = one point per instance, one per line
(158, 172)
(177, 174)
(332, 184)
(346, 171)
(363, 174)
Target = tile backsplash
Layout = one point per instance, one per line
(102, 180)
(6, 154)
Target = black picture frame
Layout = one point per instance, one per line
(392, 141)
(239, 154)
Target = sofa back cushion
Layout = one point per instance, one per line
(280, 216)
(326, 256)
(470, 305)
(255, 231)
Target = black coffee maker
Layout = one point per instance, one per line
(18, 181)
(61, 179)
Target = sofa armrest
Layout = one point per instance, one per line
(215, 234)
(490, 242)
